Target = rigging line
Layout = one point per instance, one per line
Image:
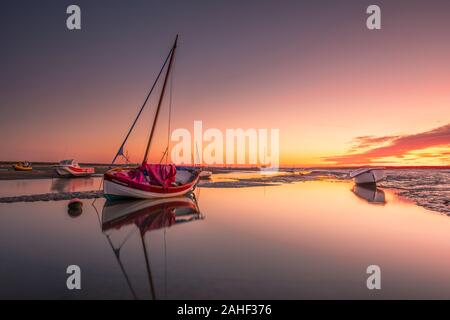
(122, 267)
(142, 108)
(116, 254)
(147, 265)
(164, 154)
(165, 265)
(198, 155)
(166, 151)
(161, 98)
(170, 111)
(130, 233)
(98, 216)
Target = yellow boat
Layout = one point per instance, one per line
(23, 166)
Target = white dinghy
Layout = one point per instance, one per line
(368, 175)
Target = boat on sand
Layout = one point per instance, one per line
(23, 166)
(70, 168)
(368, 175)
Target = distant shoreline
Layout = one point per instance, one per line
(224, 167)
(45, 170)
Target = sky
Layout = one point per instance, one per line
(339, 93)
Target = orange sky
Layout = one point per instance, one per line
(339, 93)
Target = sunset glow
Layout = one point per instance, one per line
(338, 94)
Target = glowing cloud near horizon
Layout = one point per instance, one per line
(426, 148)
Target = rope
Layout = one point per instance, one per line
(142, 108)
(170, 112)
(166, 151)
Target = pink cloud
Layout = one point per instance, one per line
(397, 146)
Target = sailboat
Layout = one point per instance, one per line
(149, 181)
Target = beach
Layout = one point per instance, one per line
(41, 170)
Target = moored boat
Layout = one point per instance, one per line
(133, 183)
(149, 181)
(23, 166)
(367, 175)
(70, 168)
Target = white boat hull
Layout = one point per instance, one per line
(67, 172)
(118, 190)
(370, 176)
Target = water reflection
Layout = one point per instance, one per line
(370, 193)
(147, 216)
(72, 185)
(75, 208)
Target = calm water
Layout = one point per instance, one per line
(310, 239)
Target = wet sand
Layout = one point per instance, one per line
(46, 170)
(432, 197)
(40, 171)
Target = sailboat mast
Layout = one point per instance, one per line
(120, 151)
(160, 100)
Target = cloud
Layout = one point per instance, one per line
(364, 142)
(394, 146)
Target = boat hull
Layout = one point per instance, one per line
(115, 187)
(21, 168)
(369, 177)
(74, 172)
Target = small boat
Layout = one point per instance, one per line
(149, 181)
(367, 175)
(370, 193)
(70, 168)
(23, 166)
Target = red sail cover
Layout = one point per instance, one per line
(161, 174)
(156, 174)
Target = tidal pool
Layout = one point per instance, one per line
(303, 240)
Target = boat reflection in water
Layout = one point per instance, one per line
(71, 185)
(370, 193)
(147, 215)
